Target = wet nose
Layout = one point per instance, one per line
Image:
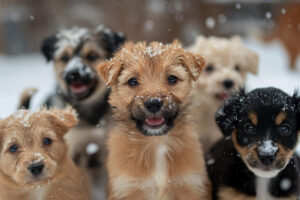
(267, 159)
(36, 168)
(73, 75)
(228, 83)
(153, 105)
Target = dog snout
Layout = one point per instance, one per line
(228, 83)
(73, 75)
(154, 105)
(267, 159)
(36, 168)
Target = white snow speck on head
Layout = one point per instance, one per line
(210, 161)
(267, 148)
(92, 148)
(283, 11)
(23, 117)
(285, 184)
(210, 22)
(268, 15)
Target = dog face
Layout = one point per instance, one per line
(150, 84)
(228, 62)
(76, 53)
(264, 126)
(32, 145)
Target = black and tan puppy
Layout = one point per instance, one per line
(75, 54)
(256, 159)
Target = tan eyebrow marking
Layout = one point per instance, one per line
(253, 117)
(280, 118)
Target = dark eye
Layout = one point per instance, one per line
(249, 128)
(172, 79)
(237, 68)
(47, 141)
(13, 148)
(132, 82)
(209, 68)
(92, 56)
(65, 58)
(285, 129)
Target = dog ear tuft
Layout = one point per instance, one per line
(110, 70)
(252, 60)
(194, 64)
(62, 120)
(227, 116)
(48, 47)
(111, 40)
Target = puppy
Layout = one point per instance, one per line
(256, 159)
(228, 62)
(153, 151)
(75, 54)
(34, 159)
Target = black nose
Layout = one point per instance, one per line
(73, 75)
(153, 105)
(228, 83)
(267, 159)
(36, 168)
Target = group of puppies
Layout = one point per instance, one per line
(147, 127)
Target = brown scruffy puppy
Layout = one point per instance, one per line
(153, 150)
(34, 160)
(228, 62)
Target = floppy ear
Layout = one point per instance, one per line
(48, 47)
(62, 120)
(111, 40)
(110, 70)
(251, 59)
(194, 64)
(227, 115)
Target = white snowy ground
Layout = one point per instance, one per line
(18, 73)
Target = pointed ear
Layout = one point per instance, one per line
(62, 120)
(227, 116)
(194, 64)
(48, 47)
(110, 70)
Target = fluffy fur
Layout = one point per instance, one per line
(256, 159)
(153, 149)
(31, 167)
(75, 53)
(227, 63)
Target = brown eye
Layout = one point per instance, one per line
(237, 68)
(92, 56)
(132, 82)
(285, 130)
(172, 79)
(209, 68)
(65, 58)
(249, 128)
(13, 148)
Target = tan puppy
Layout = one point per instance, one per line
(34, 160)
(228, 62)
(153, 150)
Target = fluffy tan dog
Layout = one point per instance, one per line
(227, 63)
(34, 160)
(153, 150)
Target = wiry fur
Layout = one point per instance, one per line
(60, 178)
(230, 60)
(151, 163)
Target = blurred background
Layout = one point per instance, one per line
(269, 27)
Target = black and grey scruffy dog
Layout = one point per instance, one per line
(75, 54)
(257, 159)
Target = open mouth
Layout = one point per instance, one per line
(80, 90)
(154, 122)
(222, 95)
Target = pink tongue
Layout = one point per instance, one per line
(78, 88)
(155, 121)
(224, 95)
